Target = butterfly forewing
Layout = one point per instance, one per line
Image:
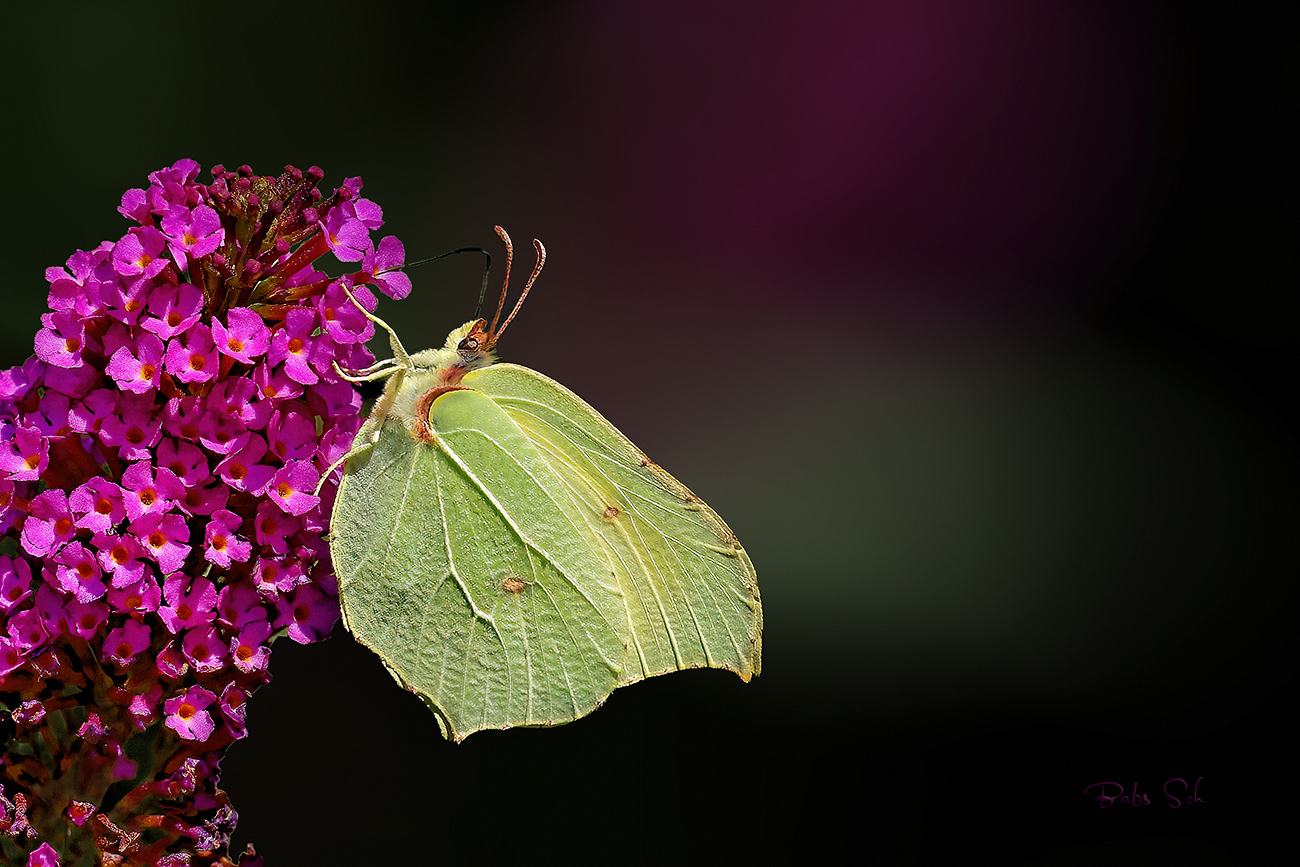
(689, 588)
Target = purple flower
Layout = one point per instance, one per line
(97, 505)
(239, 605)
(139, 252)
(340, 318)
(174, 310)
(382, 263)
(62, 340)
(164, 537)
(148, 490)
(204, 650)
(85, 618)
(301, 353)
(240, 468)
(192, 357)
(292, 486)
(134, 428)
(24, 454)
(141, 596)
(191, 602)
(43, 855)
(221, 543)
(155, 408)
(292, 435)
(234, 709)
(13, 655)
(186, 715)
(49, 523)
(15, 582)
(193, 233)
(185, 461)
(27, 630)
(120, 556)
(245, 338)
(309, 614)
(126, 642)
(348, 237)
(78, 573)
(138, 369)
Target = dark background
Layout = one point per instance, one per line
(969, 317)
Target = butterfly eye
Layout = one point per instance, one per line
(469, 344)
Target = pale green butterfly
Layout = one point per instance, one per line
(511, 556)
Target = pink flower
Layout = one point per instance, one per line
(303, 355)
(49, 523)
(192, 357)
(97, 505)
(382, 264)
(292, 486)
(221, 543)
(174, 309)
(139, 252)
(249, 650)
(138, 369)
(78, 573)
(309, 614)
(191, 602)
(186, 715)
(125, 642)
(192, 234)
(245, 338)
(204, 650)
(24, 454)
(240, 468)
(164, 537)
(43, 855)
(62, 340)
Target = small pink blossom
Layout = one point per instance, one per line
(174, 309)
(138, 369)
(221, 542)
(186, 714)
(292, 486)
(191, 602)
(192, 234)
(139, 253)
(191, 357)
(127, 641)
(309, 614)
(244, 338)
(164, 537)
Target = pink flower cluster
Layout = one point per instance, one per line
(160, 453)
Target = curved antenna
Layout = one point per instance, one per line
(505, 284)
(537, 269)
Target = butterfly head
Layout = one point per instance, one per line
(471, 346)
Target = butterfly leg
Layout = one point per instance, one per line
(400, 356)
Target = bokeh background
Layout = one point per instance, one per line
(970, 318)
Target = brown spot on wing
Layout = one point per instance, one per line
(514, 585)
(611, 512)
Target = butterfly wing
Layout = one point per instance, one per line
(525, 559)
(688, 587)
(459, 564)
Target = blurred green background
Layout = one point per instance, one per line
(968, 318)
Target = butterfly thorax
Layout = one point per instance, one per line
(434, 372)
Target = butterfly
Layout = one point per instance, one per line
(511, 556)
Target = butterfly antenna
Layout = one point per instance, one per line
(505, 285)
(537, 269)
(487, 267)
